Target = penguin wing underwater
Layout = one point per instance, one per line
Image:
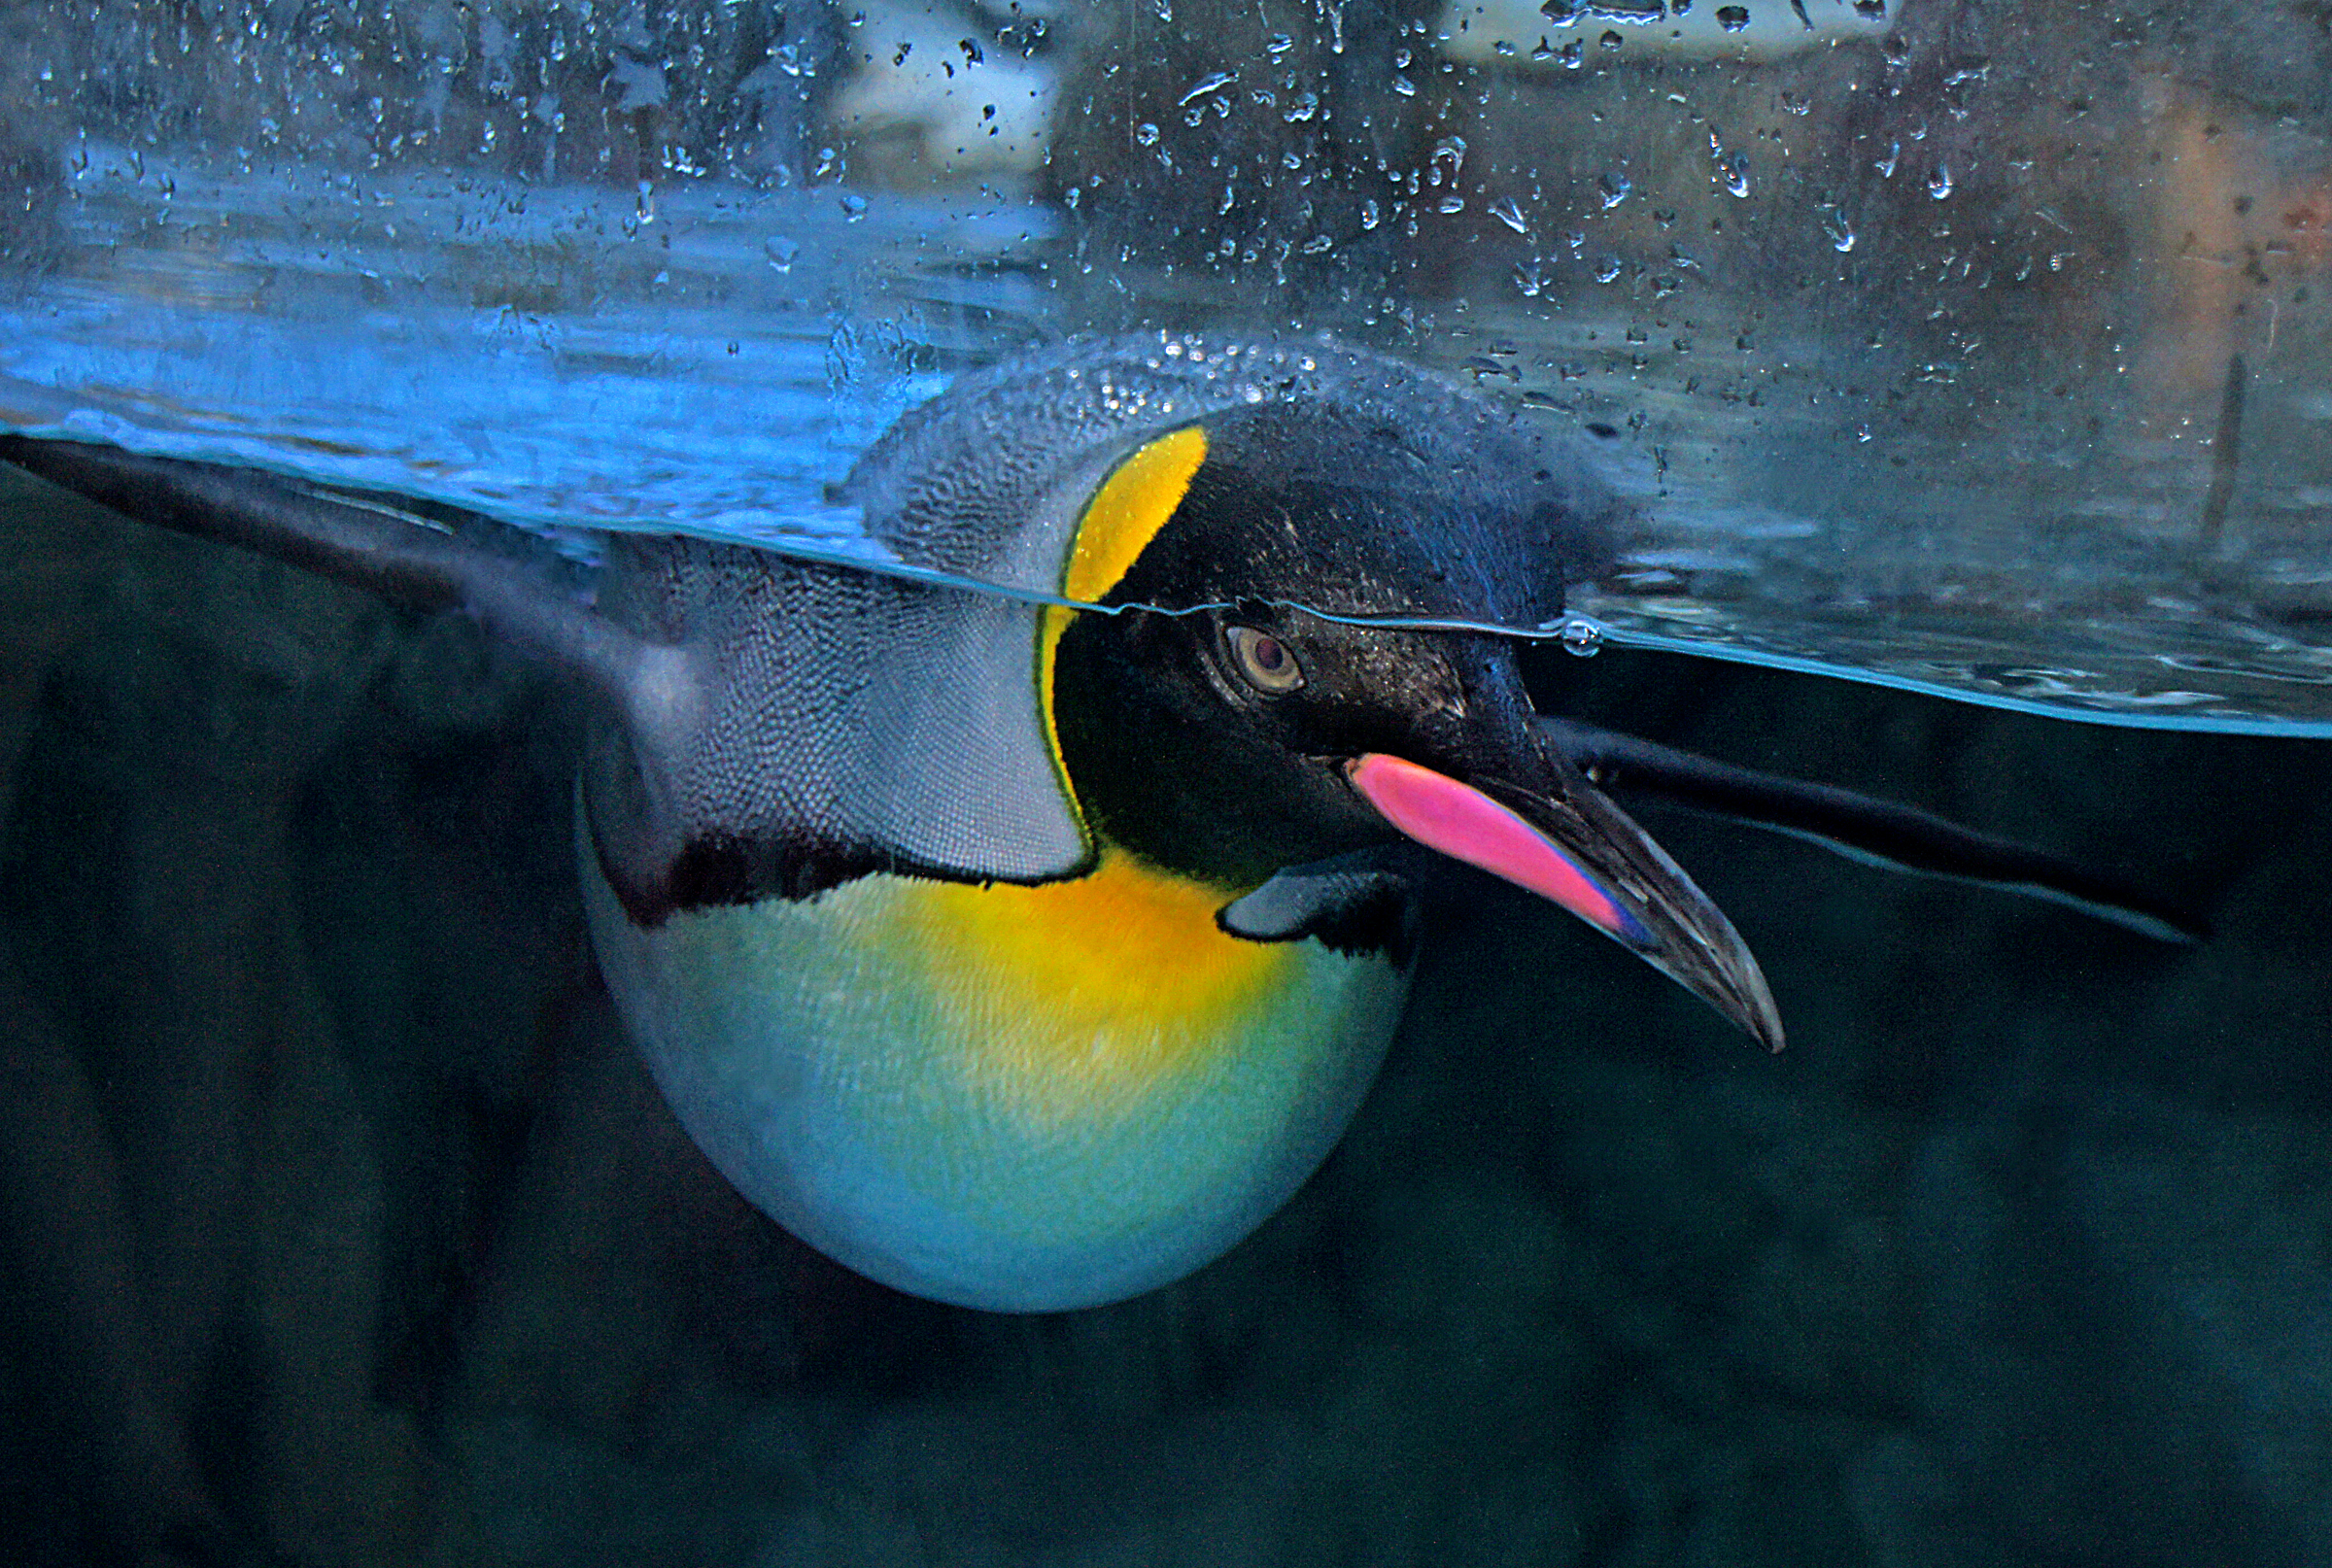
(1028, 956)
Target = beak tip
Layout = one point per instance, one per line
(1585, 855)
(1749, 1006)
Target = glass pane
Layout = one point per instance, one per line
(1968, 346)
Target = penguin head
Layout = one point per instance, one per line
(1245, 708)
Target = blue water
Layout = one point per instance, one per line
(707, 358)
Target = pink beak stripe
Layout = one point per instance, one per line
(1463, 822)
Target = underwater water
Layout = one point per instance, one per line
(333, 1183)
(343, 1224)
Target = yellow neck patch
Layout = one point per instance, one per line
(1125, 514)
(1089, 996)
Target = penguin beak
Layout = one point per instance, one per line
(1565, 840)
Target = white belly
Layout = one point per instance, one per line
(1019, 1099)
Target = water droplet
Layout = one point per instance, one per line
(1510, 212)
(781, 251)
(1733, 18)
(854, 208)
(1608, 269)
(1574, 56)
(1279, 44)
(1370, 216)
(1404, 87)
(1841, 229)
(1146, 134)
(1939, 183)
(1580, 636)
(1736, 171)
(1206, 88)
(1453, 204)
(1886, 165)
(1613, 188)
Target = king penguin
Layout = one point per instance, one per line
(1025, 946)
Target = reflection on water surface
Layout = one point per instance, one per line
(1919, 460)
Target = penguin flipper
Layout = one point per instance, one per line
(413, 561)
(1365, 901)
(1863, 828)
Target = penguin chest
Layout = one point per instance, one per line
(1015, 1098)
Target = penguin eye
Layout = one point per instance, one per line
(1264, 661)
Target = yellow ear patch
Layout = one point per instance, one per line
(1127, 513)
(1128, 510)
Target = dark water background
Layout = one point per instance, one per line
(332, 1192)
